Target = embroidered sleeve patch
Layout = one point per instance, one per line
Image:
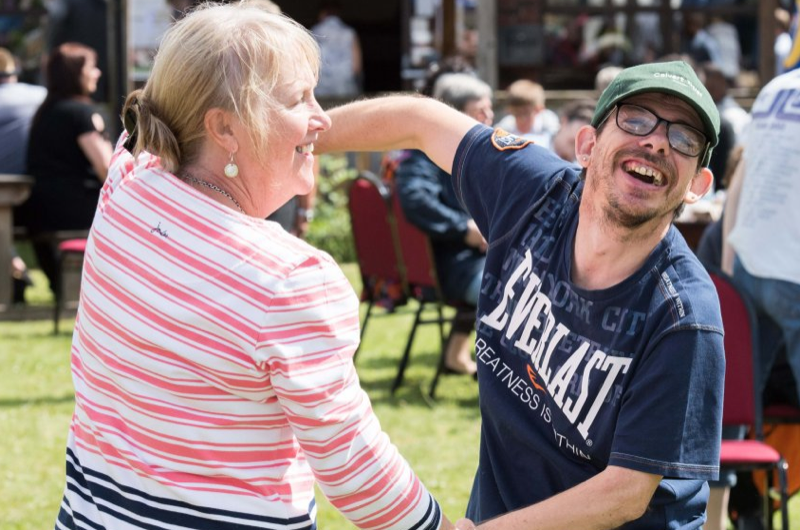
(504, 141)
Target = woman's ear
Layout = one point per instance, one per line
(220, 129)
(585, 141)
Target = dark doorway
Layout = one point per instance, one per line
(379, 30)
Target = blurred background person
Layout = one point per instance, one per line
(429, 203)
(783, 38)
(726, 36)
(762, 216)
(572, 116)
(68, 154)
(340, 49)
(452, 64)
(83, 22)
(604, 76)
(565, 44)
(718, 86)
(18, 104)
(200, 319)
(527, 115)
(646, 40)
(760, 241)
(709, 247)
(697, 42)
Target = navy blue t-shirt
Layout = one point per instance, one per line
(572, 380)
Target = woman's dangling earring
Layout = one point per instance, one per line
(231, 169)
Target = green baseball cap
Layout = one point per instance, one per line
(675, 78)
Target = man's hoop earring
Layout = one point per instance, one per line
(231, 169)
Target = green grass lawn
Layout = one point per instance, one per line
(439, 439)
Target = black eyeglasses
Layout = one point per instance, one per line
(639, 121)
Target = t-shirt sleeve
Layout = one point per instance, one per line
(307, 347)
(497, 182)
(670, 420)
(83, 120)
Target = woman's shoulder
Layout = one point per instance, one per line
(69, 111)
(73, 106)
(300, 256)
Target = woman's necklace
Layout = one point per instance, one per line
(193, 180)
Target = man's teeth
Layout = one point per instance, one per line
(305, 149)
(657, 177)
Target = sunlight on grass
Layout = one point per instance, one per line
(36, 401)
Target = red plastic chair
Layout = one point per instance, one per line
(423, 285)
(69, 250)
(381, 278)
(742, 402)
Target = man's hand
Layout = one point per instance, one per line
(474, 238)
(619, 495)
(461, 524)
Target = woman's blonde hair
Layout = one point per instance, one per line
(229, 57)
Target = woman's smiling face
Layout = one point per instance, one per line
(295, 125)
(294, 122)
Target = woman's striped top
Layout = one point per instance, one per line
(213, 373)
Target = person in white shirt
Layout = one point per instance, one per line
(340, 50)
(527, 116)
(762, 216)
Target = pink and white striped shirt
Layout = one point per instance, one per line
(214, 383)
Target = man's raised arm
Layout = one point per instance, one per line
(397, 122)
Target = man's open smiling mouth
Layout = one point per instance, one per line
(645, 173)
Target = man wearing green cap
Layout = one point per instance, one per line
(599, 339)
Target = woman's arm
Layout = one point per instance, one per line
(98, 150)
(307, 350)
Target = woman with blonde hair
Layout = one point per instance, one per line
(212, 356)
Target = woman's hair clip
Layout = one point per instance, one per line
(129, 119)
